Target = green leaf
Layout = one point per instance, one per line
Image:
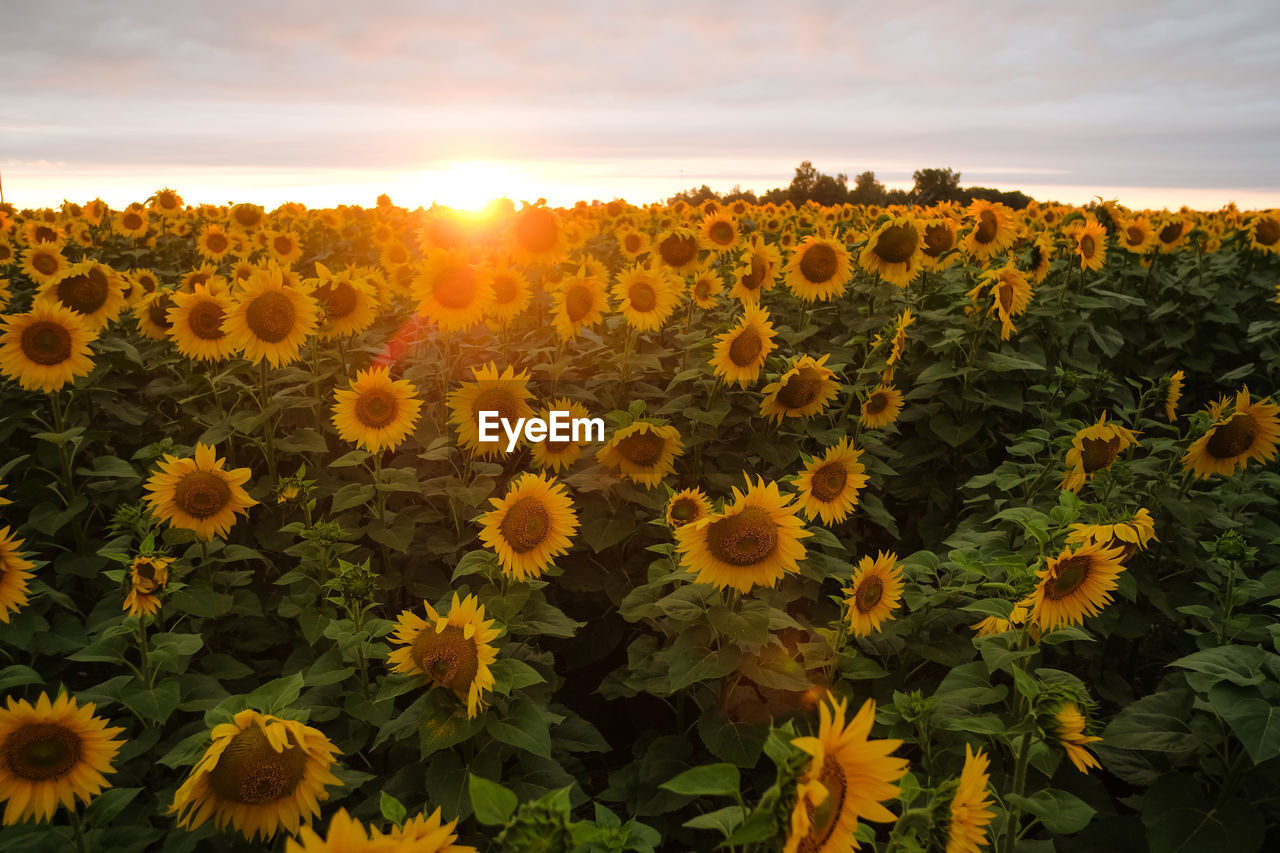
(352, 494)
(1254, 720)
(1159, 722)
(493, 803)
(725, 820)
(997, 607)
(1059, 811)
(392, 809)
(277, 694)
(708, 780)
(523, 727)
(1241, 665)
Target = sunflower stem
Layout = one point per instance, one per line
(77, 830)
(1012, 812)
(144, 657)
(268, 426)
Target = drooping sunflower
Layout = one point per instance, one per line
(376, 412)
(347, 304)
(536, 236)
(1075, 584)
(847, 779)
(1091, 245)
(1251, 431)
(46, 347)
(829, 484)
(197, 494)
(677, 249)
(882, 407)
(152, 314)
(646, 297)
(44, 263)
(632, 243)
(970, 808)
(428, 834)
(148, 574)
(721, 233)
(1067, 725)
(1094, 449)
(1018, 617)
(261, 773)
(740, 353)
(452, 651)
(530, 526)
(873, 593)
(270, 320)
(686, 506)
(993, 230)
(819, 269)
(51, 754)
(1263, 231)
(1011, 294)
(511, 294)
(754, 541)
(757, 271)
(578, 303)
(345, 834)
(802, 392)
(707, 285)
(642, 452)
(1130, 533)
(196, 324)
(1173, 394)
(898, 341)
(559, 455)
(894, 251)
(15, 572)
(213, 242)
(452, 290)
(506, 393)
(1040, 258)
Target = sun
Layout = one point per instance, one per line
(472, 185)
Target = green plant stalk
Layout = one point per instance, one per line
(77, 830)
(1012, 812)
(1227, 602)
(268, 425)
(144, 658)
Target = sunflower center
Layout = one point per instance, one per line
(746, 347)
(877, 403)
(632, 243)
(828, 482)
(1087, 246)
(497, 400)
(1134, 235)
(868, 595)
(376, 409)
(746, 538)
(46, 343)
(818, 264)
(1267, 231)
(526, 524)
(339, 299)
(1170, 233)
(702, 289)
(249, 771)
(1234, 438)
(205, 320)
(131, 220)
(897, 244)
(937, 239)
(825, 819)
(642, 449)
(246, 216)
(1067, 578)
(271, 317)
(201, 494)
(448, 658)
(578, 302)
(536, 230)
(1005, 295)
(721, 233)
(1037, 257)
(40, 751)
(754, 279)
(642, 296)
(45, 234)
(678, 250)
(1097, 453)
(504, 290)
(158, 311)
(799, 391)
(456, 289)
(44, 263)
(988, 227)
(684, 510)
(282, 245)
(216, 242)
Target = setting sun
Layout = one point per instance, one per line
(471, 185)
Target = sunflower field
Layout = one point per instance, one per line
(946, 528)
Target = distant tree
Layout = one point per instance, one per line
(897, 197)
(935, 185)
(867, 190)
(1013, 198)
(811, 185)
(694, 196)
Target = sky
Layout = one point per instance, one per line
(1155, 103)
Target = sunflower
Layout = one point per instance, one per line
(829, 485)
(1251, 431)
(1011, 293)
(45, 348)
(284, 247)
(753, 542)
(757, 271)
(452, 651)
(376, 412)
(506, 393)
(132, 222)
(740, 353)
(819, 269)
(1018, 617)
(707, 285)
(873, 593)
(52, 753)
(152, 314)
(677, 249)
(347, 307)
(993, 230)
(1075, 584)
(166, 202)
(1067, 725)
(1130, 534)
(511, 294)
(1040, 258)
(261, 773)
(453, 291)
(536, 236)
(146, 281)
(196, 324)
(898, 343)
(558, 455)
(846, 780)
(1136, 235)
(427, 834)
(686, 506)
(1173, 394)
(147, 576)
(1170, 232)
(970, 806)
(894, 251)
(938, 237)
(1094, 449)
(1263, 231)
(197, 494)
(7, 252)
(529, 526)
(642, 452)
(803, 391)
(44, 263)
(632, 243)
(420, 834)
(1091, 245)
(213, 243)
(15, 571)
(270, 320)
(646, 297)
(882, 407)
(720, 233)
